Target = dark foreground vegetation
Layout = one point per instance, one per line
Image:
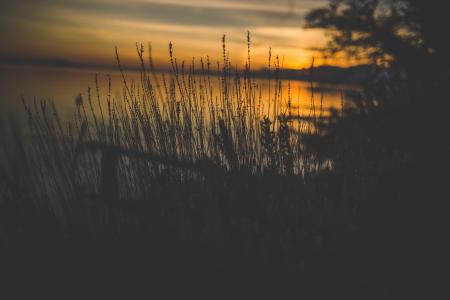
(175, 192)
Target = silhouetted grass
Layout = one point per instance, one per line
(200, 191)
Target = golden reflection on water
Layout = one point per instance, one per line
(63, 85)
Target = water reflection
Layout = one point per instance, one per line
(64, 85)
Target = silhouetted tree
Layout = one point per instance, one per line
(408, 37)
(406, 34)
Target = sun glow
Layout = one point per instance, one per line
(86, 33)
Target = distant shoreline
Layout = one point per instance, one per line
(353, 75)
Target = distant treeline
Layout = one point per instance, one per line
(328, 74)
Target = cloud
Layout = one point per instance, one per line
(64, 28)
(190, 12)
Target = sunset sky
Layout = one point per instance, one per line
(85, 32)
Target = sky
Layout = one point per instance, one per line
(82, 32)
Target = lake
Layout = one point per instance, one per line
(63, 85)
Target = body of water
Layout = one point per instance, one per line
(63, 86)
